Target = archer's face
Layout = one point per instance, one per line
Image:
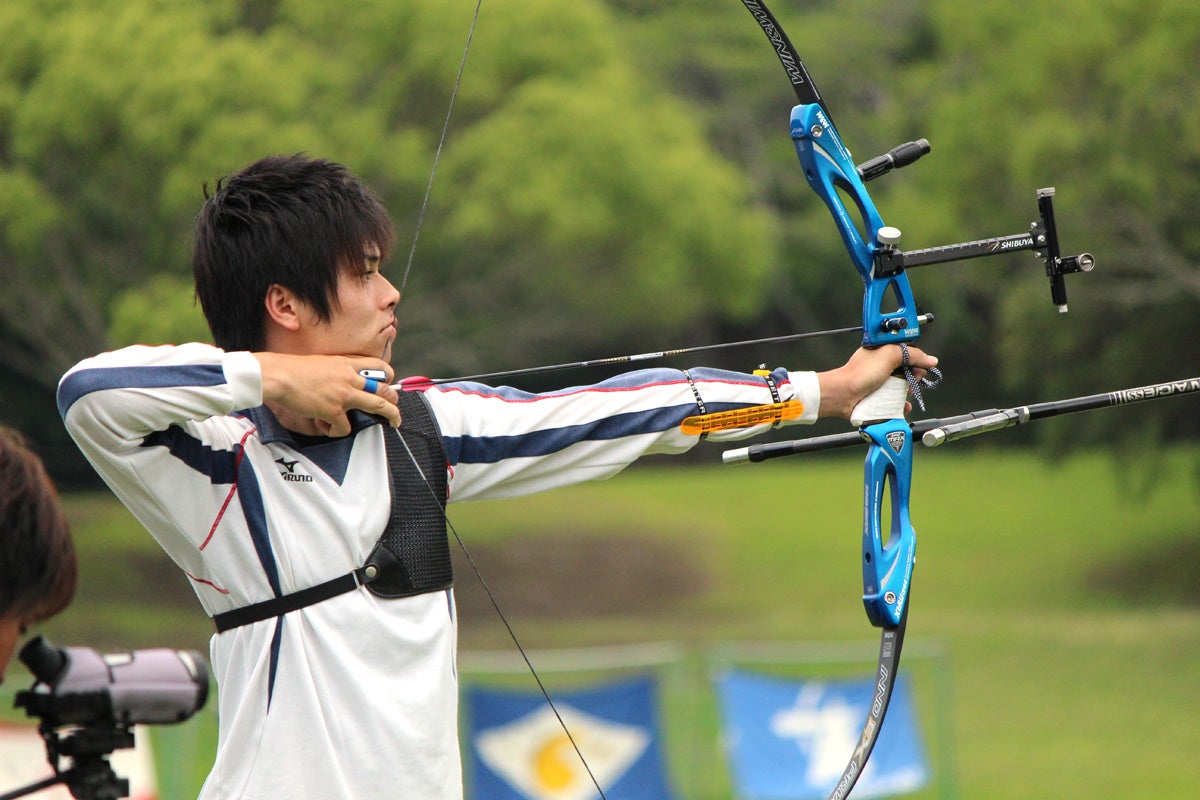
(363, 319)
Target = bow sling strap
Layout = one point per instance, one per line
(412, 555)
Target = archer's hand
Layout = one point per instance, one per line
(312, 393)
(844, 387)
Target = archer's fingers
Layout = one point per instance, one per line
(337, 427)
(921, 360)
(387, 409)
(379, 399)
(377, 395)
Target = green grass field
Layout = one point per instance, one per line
(1067, 611)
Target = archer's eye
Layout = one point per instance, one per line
(371, 266)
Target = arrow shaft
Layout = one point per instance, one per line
(656, 355)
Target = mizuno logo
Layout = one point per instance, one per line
(290, 474)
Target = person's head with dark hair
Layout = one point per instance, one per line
(37, 560)
(287, 223)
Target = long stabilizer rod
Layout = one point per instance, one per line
(936, 432)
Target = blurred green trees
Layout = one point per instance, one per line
(618, 175)
(573, 188)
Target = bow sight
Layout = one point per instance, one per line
(1042, 239)
(88, 704)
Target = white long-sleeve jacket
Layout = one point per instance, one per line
(356, 696)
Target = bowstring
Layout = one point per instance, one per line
(450, 525)
(437, 156)
(507, 625)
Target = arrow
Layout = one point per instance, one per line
(628, 359)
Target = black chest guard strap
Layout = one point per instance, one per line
(413, 554)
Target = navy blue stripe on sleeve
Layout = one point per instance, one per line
(492, 449)
(96, 379)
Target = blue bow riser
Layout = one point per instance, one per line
(829, 168)
(887, 564)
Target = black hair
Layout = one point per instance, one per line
(38, 568)
(288, 220)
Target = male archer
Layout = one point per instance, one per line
(331, 592)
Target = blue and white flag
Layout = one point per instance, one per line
(791, 739)
(519, 751)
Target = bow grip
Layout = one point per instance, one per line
(887, 566)
(831, 173)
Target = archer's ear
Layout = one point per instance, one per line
(284, 309)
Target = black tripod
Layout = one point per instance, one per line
(90, 777)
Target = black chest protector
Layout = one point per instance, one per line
(413, 555)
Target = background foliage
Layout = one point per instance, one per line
(618, 177)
